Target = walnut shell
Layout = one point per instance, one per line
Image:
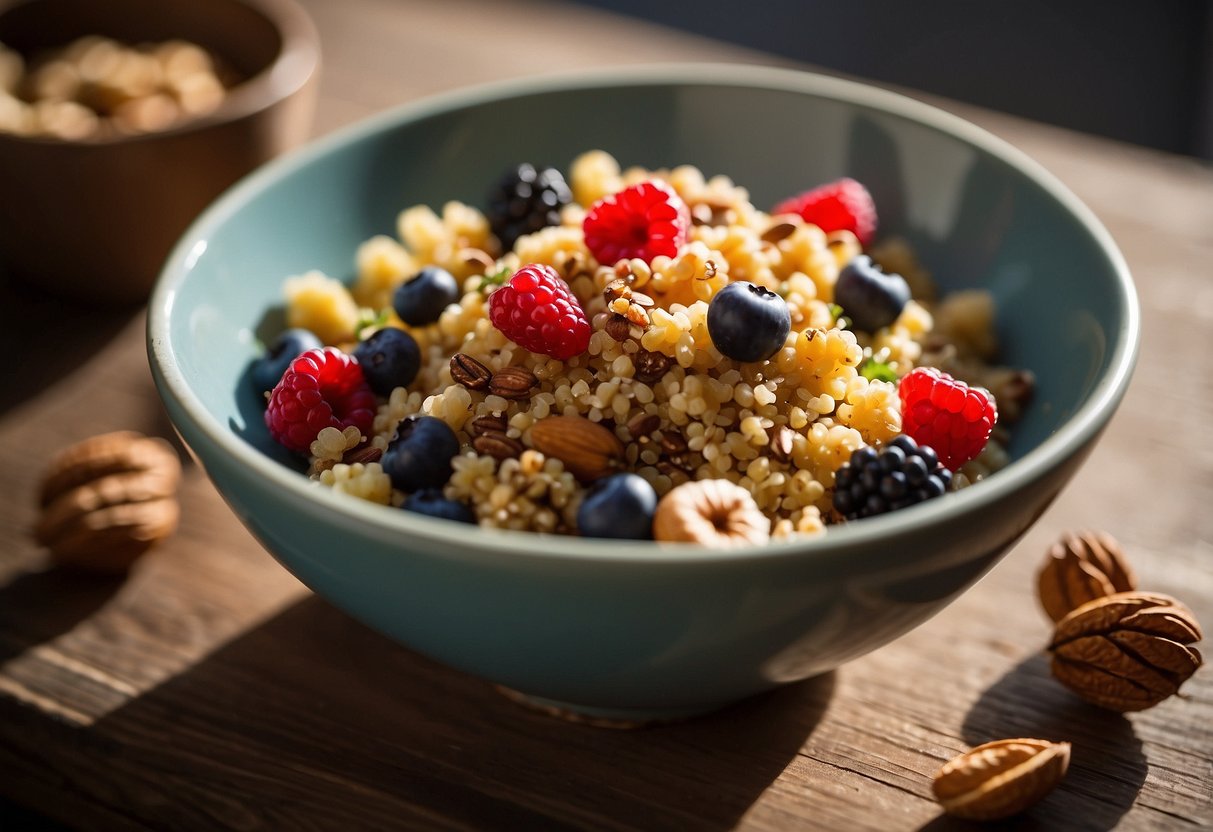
(1080, 568)
(1127, 651)
(108, 499)
(1000, 778)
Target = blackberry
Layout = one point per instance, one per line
(901, 474)
(526, 200)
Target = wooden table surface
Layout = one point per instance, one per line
(210, 690)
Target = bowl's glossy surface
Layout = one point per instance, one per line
(95, 219)
(631, 629)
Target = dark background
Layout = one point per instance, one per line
(1136, 70)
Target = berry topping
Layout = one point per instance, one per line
(901, 474)
(747, 322)
(526, 200)
(868, 296)
(421, 300)
(842, 205)
(536, 310)
(619, 506)
(390, 358)
(420, 455)
(267, 371)
(949, 415)
(322, 388)
(430, 502)
(646, 220)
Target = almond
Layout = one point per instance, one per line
(1000, 778)
(588, 450)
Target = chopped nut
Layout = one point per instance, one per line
(1128, 651)
(587, 449)
(489, 423)
(497, 445)
(469, 372)
(618, 328)
(779, 231)
(637, 316)
(1000, 778)
(641, 299)
(672, 442)
(479, 261)
(617, 289)
(1080, 568)
(363, 453)
(714, 513)
(643, 424)
(781, 443)
(108, 499)
(516, 383)
(651, 366)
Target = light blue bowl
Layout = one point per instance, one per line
(637, 630)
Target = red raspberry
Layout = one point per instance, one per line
(949, 415)
(536, 310)
(843, 205)
(645, 221)
(322, 388)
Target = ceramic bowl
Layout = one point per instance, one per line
(640, 630)
(95, 219)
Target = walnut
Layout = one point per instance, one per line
(1000, 778)
(108, 499)
(1127, 651)
(1080, 568)
(715, 513)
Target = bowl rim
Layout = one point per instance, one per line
(450, 538)
(296, 63)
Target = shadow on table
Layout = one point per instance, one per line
(1107, 765)
(313, 720)
(36, 607)
(54, 336)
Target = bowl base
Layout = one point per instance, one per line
(619, 719)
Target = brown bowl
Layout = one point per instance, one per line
(95, 219)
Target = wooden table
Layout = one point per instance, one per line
(210, 690)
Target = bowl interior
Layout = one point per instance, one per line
(1065, 307)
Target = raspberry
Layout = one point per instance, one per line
(536, 310)
(322, 388)
(842, 205)
(946, 414)
(646, 220)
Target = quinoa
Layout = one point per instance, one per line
(706, 416)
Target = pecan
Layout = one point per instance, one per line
(108, 499)
(515, 383)
(618, 328)
(363, 453)
(490, 423)
(714, 513)
(781, 443)
(651, 366)
(1080, 568)
(1127, 651)
(497, 445)
(469, 372)
(587, 449)
(779, 231)
(1000, 778)
(642, 424)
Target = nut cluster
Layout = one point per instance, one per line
(1114, 646)
(96, 86)
(108, 499)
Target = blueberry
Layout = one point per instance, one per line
(430, 502)
(390, 358)
(420, 455)
(747, 322)
(868, 296)
(420, 301)
(267, 371)
(619, 506)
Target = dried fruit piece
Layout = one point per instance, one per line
(1080, 568)
(1000, 778)
(587, 449)
(108, 499)
(1127, 651)
(714, 513)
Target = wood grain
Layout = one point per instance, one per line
(210, 690)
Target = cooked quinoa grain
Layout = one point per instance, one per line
(777, 429)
